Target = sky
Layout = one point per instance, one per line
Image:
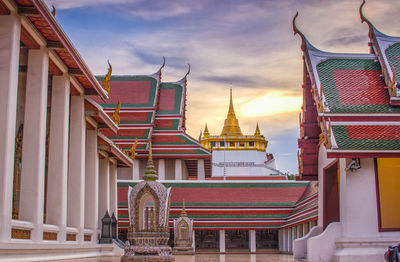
(248, 43)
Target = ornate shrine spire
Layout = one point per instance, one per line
(231, 125)
(150, 174)
(206, 133)
(183, 213)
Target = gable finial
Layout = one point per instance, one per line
(364, 19)
(163, 64)
(297, 31)
(53, 11)
(107, 78)
(188, 72)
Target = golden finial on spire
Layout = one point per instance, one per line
(231, 124)
(53, 11)
(107, 78)
(183, 213)
(364, 19)
(116, 117)
(150, 174)
(206, 133)
(297, 31)
(257, 132)
(133, 150)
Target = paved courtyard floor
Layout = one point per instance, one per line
(207, 258)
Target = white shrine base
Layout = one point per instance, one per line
(362, 249)
(52, 251)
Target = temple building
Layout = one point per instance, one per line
(235, 155)
(349, 143)
(155, 111)
(58, 171)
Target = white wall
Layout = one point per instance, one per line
(256, 157)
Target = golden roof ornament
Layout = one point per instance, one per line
(107, 78)
(133, 150)
(116, 117)
(53, 11)
(150, 174)
(231, 124)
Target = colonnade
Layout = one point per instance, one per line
(288, 235)
(162, 169)
(81, 182)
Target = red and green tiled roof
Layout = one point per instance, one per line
(151, 111)
(234, 204)
(367, 137)
(354, 86)
(170, 99)
(393, 57)
(132, 91)
(162, 124)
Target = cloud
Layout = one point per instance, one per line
(249, 43)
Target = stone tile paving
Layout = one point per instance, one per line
(207, 258)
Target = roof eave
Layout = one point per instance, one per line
(43, 10)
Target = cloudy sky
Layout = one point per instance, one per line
(249, 43)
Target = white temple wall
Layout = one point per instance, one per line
(242, 163)
(170, 169)
(323, 161)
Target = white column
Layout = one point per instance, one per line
(104, 188)
(56, 210)
(161, 169)
(304, 229)
(201, 174)
(252, 241)
(10, 32)
(135, 170)
(285, 240)
(299, 231)
(178, 169)
(113, 189)
(290, 242)
(222, 241)
(34, 142)
(76, 176)
(91, 183)
(280, 239)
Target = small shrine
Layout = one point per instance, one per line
(183, 234)
(148, 233)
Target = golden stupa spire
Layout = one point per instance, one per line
(206, 133)
(257, 132)
(150, 174)
(231, 125)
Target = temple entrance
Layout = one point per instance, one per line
(331, 194)
(236, 239)
(267, 239)
(207, 239)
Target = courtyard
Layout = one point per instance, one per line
(208, 258)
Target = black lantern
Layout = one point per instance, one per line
(114, 222)
(106, 229)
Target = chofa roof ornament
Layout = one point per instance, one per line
(297, 31)
(106, 79)
(364, 19)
